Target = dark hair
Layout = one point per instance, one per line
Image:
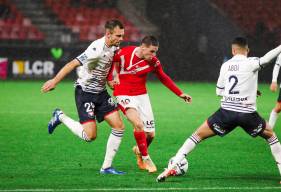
(150, 40)
(111, 24)
(240, 41)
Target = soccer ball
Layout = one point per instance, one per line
(181, 168)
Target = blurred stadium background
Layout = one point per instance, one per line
(37, 37)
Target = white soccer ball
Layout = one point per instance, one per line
(181, 168)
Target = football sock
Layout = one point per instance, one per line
(275, 150)
(186, 148)
(112, 147)
(141, 142)
(273, 118)
(74, 126)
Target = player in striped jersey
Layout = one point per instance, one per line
(273, 87)
(237, 84)
(92, 100)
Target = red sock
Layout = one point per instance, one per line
(141, 142)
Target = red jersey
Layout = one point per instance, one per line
(133, 71)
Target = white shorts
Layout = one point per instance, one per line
(142, 104)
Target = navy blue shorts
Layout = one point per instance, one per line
(224, 121)
(91, 106)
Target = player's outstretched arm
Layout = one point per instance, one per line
(269, 56)
(169, 83)
(51, 84)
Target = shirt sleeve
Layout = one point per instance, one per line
(269, 56)
(166, 80)
(89, 55)
(221, 82)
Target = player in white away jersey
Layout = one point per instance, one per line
(237, 84)
(273, 87)
(92, 100)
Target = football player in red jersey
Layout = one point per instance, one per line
(128, 76)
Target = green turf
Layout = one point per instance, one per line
(32, 159)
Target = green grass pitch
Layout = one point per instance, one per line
(32, 160)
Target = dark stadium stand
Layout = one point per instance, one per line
(254, 17)
(14, 26)
(87, 21)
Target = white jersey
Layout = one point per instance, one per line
(238, 83)
(276, 69)
(95, 64)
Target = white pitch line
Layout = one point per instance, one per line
(145, 189)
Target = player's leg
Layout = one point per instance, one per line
(274, 145)
(203, 132)
(147, 117)
(133, 116)
(274, 114)
(114, 140)
(106, 109)
(86, 128)
(255, 125)
(220, 123)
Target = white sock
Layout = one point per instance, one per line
(273, 118)
(275, 150)
(74, 126)
(112, 147)
(186, 148)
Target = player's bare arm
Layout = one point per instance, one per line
(51, 84)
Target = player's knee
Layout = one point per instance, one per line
(119, 125)
(138, 126)
(92, 137)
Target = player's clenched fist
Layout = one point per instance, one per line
(48, 86)
(186, 98)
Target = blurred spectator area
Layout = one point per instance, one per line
(14, 25)
(86, 18)
(259, 18)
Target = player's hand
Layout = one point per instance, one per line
(186, 98)
(48, 86)
(111, 84)
(273, 86)
(114, 82)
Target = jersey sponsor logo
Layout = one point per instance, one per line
(149, 124)
(236, 99)
(33, 69)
